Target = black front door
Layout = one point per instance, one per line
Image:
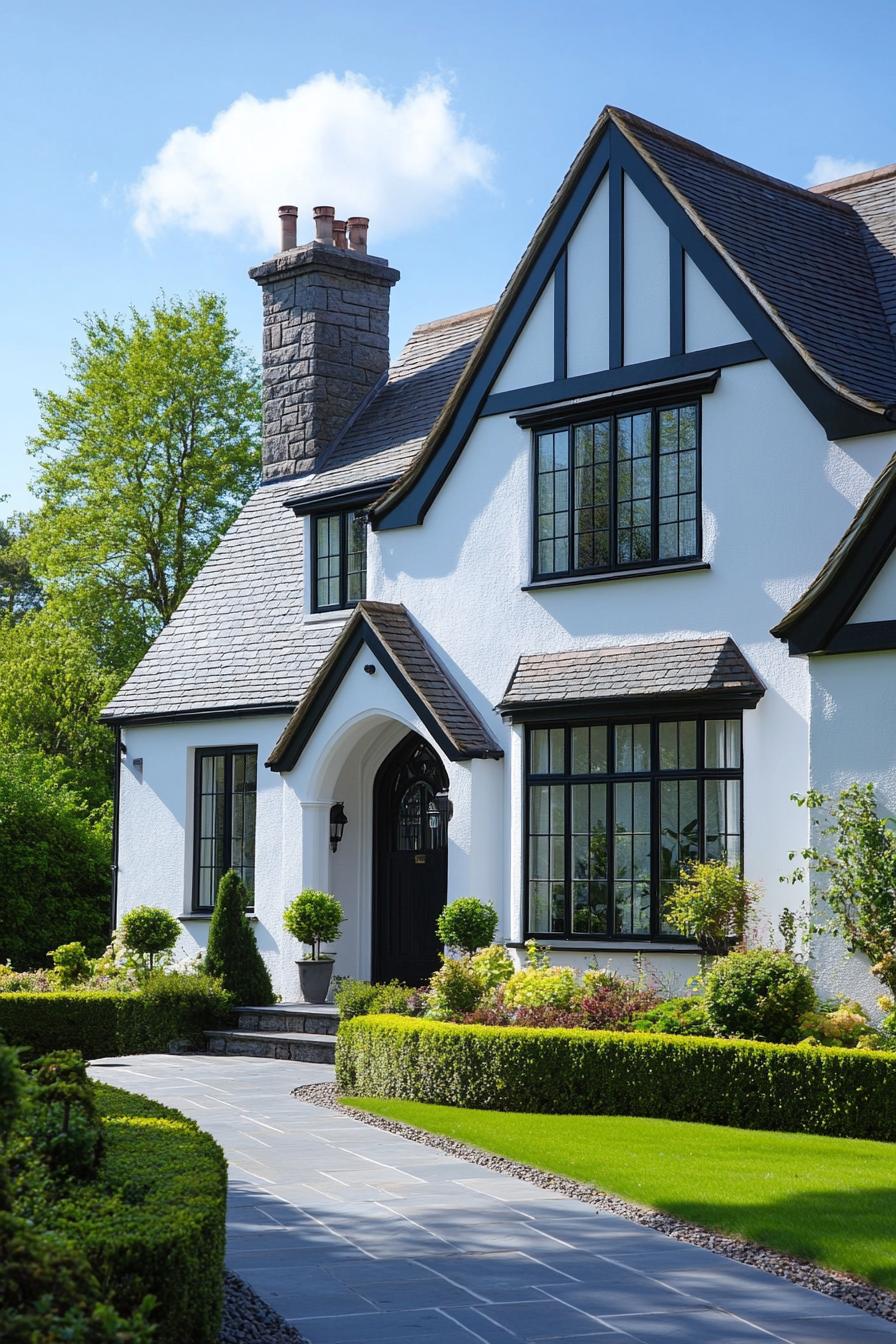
(410, 862)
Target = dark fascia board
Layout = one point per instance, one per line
(168, 716)
(410, 509)
(654, 394)
(840, 417)
(349, 496)
(284, 757)
(584, 711)
(863, 637)
(813, 629)
(613, 151)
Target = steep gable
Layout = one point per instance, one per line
(678, 247)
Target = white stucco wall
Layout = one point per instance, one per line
(463, 575)
(646, 278)
(531, 358)
(708, 321)
(879, 603)
(588, 288)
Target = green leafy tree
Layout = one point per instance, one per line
(149, 931)
(232, 955)
(467, 924)
(20, 591)
(857, 857)
(313, 917)
(142, 464)
(51, 691)
(54, 857)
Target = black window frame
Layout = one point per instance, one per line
(613, 414)
(655, 776)
(201, 754)
(344, 603)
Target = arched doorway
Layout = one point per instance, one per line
(410, 869)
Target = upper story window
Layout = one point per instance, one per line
(224, 811)
(339, 559)
(620, 492)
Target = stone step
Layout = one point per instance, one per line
(321, 1019)
(311, 1047)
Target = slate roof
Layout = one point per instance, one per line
(873, 197)
(803, 253)
(382, 441)
(388, 629)
(239, 638)
(708, 665)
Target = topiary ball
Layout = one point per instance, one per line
(760, 995)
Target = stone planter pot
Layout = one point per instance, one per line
(314, 980)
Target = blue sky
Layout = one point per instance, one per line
(462, 120)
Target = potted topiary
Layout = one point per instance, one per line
(314, 917)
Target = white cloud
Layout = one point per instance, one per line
(827, 168)
(331, 141)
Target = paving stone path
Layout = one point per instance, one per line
(357, 1236)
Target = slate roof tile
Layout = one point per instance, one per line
(710, 665)
(391, 624)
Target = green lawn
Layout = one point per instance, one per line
(829, 1200)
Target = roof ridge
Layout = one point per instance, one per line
(855, 179)
(745, 169)
(455, 319)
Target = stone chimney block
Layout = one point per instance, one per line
(325, 340)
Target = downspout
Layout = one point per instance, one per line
(116, 801)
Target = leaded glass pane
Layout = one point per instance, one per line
(589, 750)
(327, 560)
(547, 868)
(552, 494)
(677, 482)
(632, 858)
(723, 749)
(678, 745)
(634, 470)
(679, 834)
(356, 557)
(588, 846)
(632, 747)
(591, 505)
(721, 820)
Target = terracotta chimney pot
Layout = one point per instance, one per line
(357, 233)
(323, 223)
(288, 214)
(339, 237)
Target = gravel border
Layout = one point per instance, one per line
(248, 1319)
(876, 1301)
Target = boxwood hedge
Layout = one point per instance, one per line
(108, 1022)
(851, 1093)
(153, 1221)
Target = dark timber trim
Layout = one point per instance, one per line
(292, 744)
(330, 501)
(645, 395)
(609, 150)
(560, 307)
(636, 377)
(863, 637)
(676, 297)
(226, 712)
(617, 259)
(815, 622)
(611, 575)
(573, 712)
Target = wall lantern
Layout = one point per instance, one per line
(337, 825)
(440, 811)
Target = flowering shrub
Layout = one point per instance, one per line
(493, 965)
(760, 995)
(675, 1017)
(545, 987)
(614, 1006)
(454, 990)
(844, 1023)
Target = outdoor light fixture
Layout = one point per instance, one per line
(440, 810)
(337, 825)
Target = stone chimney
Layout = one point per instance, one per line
(325, 339)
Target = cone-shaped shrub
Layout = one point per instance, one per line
(233, 954)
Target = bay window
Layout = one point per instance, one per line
(613, 811)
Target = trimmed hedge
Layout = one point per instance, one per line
(101, 1022)
(153, 1222)
(850, 1093)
